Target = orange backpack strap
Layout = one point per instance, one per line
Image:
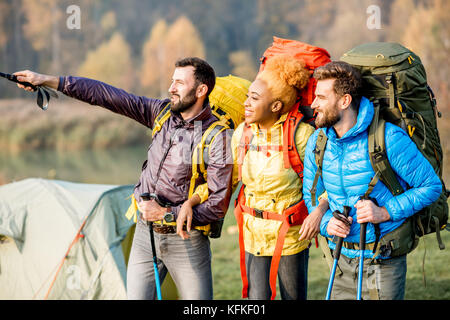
(244, 144)
(238, 213)
(291, 156)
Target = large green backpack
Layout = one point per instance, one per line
(395, 80)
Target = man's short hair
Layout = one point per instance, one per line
(347, 79)
(203, 72)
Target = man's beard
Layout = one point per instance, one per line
(328, 118)
(184, 104)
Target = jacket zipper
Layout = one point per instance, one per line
(165, 156)
(341, 160)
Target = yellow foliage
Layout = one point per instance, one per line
(154, 66)
(41, 16)
(111, 62)
(109, 21)
(164, 46)
(183, 40)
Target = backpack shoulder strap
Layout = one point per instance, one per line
(319, 152)
(201, 152)
(378, 155)
(222, 115)
(244, 144)
(291, 156)
(207, 139)
(162, 117)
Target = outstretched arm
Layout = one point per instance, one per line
(142, 109)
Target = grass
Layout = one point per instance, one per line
(227, 281)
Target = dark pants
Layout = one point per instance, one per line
(292, 276)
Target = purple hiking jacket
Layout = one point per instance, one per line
(168, 168)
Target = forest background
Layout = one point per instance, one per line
(133, 45)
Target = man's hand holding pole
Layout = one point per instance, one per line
(36, 79)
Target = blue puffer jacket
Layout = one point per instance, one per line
(347, 172)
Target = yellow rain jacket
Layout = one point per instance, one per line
(269, 187)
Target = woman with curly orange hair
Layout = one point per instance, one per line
(271, 192)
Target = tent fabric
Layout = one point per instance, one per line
(39, 220)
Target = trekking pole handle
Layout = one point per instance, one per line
(362, 235)
(153, 196)
(338, 248)
(13, 78)
(145, 196)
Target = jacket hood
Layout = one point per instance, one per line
(365, 116)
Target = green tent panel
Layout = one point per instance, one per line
(65, 240)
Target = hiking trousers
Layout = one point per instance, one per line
(382, 279)
(292, 276)
(188, 262)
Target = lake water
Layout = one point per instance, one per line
(116, 166)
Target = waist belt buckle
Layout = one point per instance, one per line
(258, 213)
(290, 217)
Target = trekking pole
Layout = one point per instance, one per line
(362, 248)
(146, 197)
(337, 249)
(42, 91)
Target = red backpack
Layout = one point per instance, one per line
(313, 57)
(301, 111)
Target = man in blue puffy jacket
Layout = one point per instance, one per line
(344, 116)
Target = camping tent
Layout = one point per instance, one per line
(64, 240)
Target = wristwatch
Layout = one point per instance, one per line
(169, 217)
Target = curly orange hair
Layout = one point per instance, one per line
(285, 76)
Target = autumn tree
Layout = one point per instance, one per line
(111, 62)
(183, 40)
(108, 23)
(166, 45)
(42, 29)
(154, 65)
(427, 33)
